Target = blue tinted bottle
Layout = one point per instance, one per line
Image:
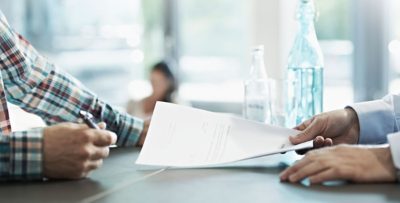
(305, 69)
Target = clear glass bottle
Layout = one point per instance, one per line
(305, 69)
(256, 90)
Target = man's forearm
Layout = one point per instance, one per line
(39, 87)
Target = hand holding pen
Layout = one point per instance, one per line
(88, 119)
(71, 150)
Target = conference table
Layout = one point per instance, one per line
(256, 180)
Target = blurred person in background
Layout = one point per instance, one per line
(164, 87)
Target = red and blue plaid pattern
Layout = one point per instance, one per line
(30, 81)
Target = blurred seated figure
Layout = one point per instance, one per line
(164, 86)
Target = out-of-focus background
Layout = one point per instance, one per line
(110, 44)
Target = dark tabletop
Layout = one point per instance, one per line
(120, 180)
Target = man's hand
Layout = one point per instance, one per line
(71, 150)
(343, 162)
(335, 127)
(143, 135)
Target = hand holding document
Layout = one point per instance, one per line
(186, 137)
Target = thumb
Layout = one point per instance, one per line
(312, 131)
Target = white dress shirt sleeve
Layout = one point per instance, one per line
(379, 123)
(377, 119)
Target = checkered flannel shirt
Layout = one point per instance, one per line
(30, 81)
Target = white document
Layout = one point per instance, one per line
(186, 137)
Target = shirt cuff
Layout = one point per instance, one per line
(394, 142)
(127, 128)
(26, 155)
(376, 120)
(129, 131)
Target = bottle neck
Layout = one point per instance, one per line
(306, 51)
(306, 17)
(257, 66)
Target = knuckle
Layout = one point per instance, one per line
(95, 165)
(106, 152)
(294, 169)
(99, 163)
(108, 138)
(318, 119)
(84, 153)
(304, 134)
(295, 176)
(84, 136)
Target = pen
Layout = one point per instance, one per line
(88, 119)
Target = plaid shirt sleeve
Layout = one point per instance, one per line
(21, 155)
(39, 87)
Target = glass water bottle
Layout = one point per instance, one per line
(256, 90)
(305, 69)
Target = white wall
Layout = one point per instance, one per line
(273, 24)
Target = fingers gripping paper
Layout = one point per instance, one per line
(186, 137)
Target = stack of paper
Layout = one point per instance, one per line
(186, 137)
